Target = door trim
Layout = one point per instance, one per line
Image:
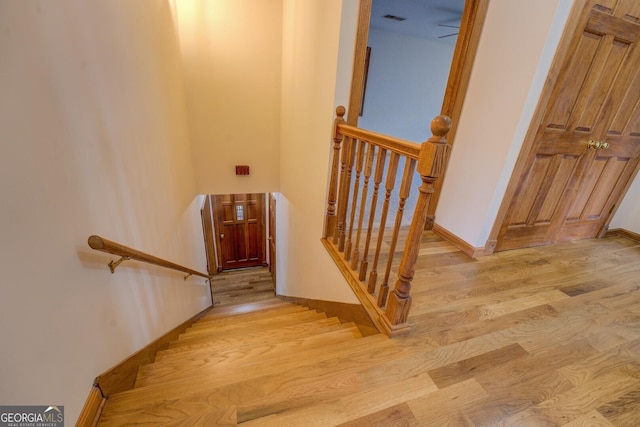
(208, 230)
(271, 237)
(464, 55)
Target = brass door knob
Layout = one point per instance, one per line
(598, 145)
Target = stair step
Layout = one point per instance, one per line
(262, 339)
(260, 325)
(260, 387)
(251, 362)
(242, 322)
(217, 412)
(210, 377)
(233, 310)
(246, 317)
(172, 370)
(232, 342)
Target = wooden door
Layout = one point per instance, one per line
(207, 227)
(586, 149)
(272, 237)
(240, 231)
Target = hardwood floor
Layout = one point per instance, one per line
(546, 336)
(242, 286)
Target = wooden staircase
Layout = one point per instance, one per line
(246, 364)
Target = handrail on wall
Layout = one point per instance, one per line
(126, 253)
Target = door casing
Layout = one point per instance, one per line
(272, 237)
(208, 231)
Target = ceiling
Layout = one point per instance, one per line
(422, 17)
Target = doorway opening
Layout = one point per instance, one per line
(471, 15)
(240, 246)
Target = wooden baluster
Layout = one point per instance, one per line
(377, 179)
(330, 221)
(348, 154)
(405, 188)
(354, 201)
(430, 165)
(363, 203)
(389, 184)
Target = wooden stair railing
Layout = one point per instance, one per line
(351, 221)
(126, 253)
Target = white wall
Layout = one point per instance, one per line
(406, 84)
(628, 214)
(318, 43)
(232, 66)
(94, 140)
(514, 55)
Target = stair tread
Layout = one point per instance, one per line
(306, 330)
(245, 362)
(242, 323)
(243, 308)
(209, 348)
(262, 390)
(260, 385)
(246, 317)
(209, 378)
(260, 325)
(218, 412)
(331, 399)
(178, 369)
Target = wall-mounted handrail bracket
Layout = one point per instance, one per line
(126, 253)
(187, 276)
(114, 264)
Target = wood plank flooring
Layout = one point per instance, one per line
(241, 286)
(546, 336)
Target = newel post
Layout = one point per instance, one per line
(330, 219)
(433, 153)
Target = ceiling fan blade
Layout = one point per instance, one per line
(448, 26)
(448, 35)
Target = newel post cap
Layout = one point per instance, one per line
(434, 151)
(440, 127)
